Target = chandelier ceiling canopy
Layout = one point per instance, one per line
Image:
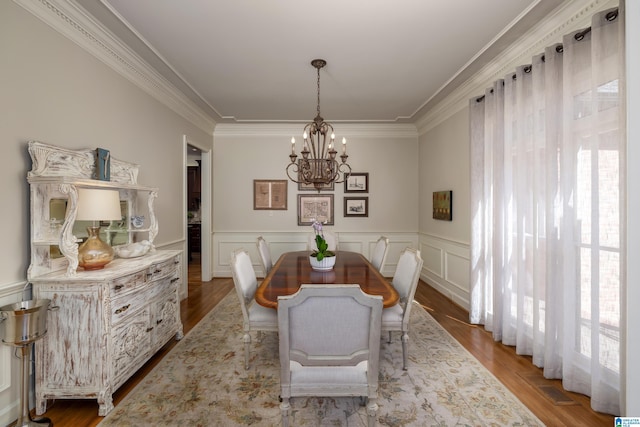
(318, 165)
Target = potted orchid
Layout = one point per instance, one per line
(322, 258)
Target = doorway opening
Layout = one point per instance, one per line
(194, 204)
(197, 211)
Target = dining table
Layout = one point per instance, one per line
(293, 269)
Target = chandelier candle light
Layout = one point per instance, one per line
(318, 166)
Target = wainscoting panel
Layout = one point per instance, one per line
(433, 257)
(280, 242)
(446, 267)
(351, 246)
(456, 270)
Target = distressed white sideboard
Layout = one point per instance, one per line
(108, 322)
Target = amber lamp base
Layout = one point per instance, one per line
(94, 254)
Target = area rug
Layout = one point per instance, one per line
(202, 382)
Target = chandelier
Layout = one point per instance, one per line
(318, 165)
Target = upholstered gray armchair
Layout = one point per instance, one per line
(265, 254)
(405, 281)
(379, 255)
(255, 317)
(329, 345)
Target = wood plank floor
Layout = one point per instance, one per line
(545, 398)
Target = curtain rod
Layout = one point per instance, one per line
(610, 16)
(579, 36)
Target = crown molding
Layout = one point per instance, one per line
(70, 20)
(571, 16)
(373, 130)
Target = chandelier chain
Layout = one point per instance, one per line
(318, 166)
(318, 108)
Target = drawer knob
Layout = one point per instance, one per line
(123, 309)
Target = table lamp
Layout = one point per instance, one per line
(96, 205)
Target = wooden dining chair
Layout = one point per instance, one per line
(265, 255)
(255, 317)
(329, 345)
(405, 281)
(379, 254)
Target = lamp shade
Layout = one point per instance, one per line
(96, 204)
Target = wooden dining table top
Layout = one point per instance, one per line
(293, 269)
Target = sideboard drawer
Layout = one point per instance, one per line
(126, 305)
(162, 269)
(125, 284)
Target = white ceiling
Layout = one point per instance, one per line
(249, 60)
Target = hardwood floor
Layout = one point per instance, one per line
(545, 398)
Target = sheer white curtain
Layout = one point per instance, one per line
(547, 250)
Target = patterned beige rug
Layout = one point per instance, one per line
(202, 382)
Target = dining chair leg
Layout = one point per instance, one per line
(372, 410)
(405, 350)
(247, 344)
(285, 407)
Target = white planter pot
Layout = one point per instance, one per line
(326, 264)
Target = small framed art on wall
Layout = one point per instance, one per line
(356, 206)
(442, 205)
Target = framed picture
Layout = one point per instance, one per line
(318, 207)
(356, 206)
(270, 194)
(310, 187)
(442, 205)
(357, 183)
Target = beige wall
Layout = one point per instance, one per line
(54, 91)
(243, 153)
(444, 165)
(444, 245)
